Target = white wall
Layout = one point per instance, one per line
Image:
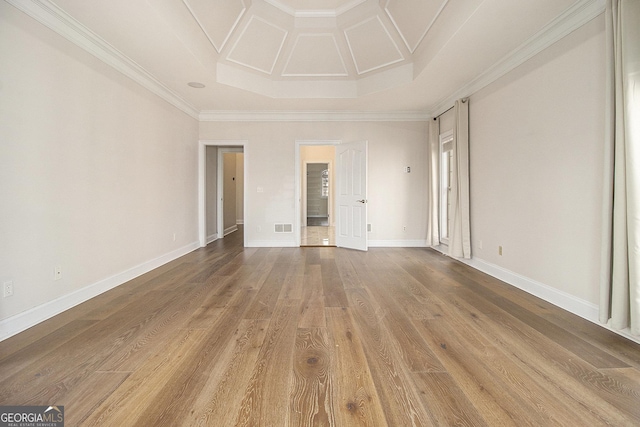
(396, 199)
(536, 146)
(97, 175)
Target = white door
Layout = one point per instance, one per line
(351, 229)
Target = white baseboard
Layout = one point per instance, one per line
(212, 238)
(555, 296)
(22, 321)
(271, 244)
(585, 309)
(550, 294)
(397, 243)
(231, 229)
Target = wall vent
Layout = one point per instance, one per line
(284, 228)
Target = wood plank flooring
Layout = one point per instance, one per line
(233, 336)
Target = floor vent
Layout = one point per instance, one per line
(284, 228)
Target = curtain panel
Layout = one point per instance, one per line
(459, 225)
(620, 278)
(460, 232)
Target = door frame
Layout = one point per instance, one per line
(202, 184)
(298, 182)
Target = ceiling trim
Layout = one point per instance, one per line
(233, 27)
(51, 16)
(344, 72)
(582, 12)
(231, 75)
(353, 55)
(285, 34)
(406, 42)
(322, 13)
(313, 116)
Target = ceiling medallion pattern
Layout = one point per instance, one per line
(315, 48)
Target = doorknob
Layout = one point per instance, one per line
(362, 201)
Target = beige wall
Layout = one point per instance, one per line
(97, 174)
(396, 199)
(536, 147)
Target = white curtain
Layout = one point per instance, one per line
(620, 280)
(433, 184)
(460, 233)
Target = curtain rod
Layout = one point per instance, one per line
(451, 108)
(443, 113)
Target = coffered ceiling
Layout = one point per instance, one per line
(313, 55)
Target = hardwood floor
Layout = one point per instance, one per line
(231, 336)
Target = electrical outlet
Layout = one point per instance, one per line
(404, 228)
(7, 289)
(500, 250)
(57, 273)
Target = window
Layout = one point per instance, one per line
(446, 171)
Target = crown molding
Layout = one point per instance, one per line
(573, 18)
(51, 16)
(313, 116)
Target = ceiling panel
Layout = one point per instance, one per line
(315, 55)
(295, 6)
(259, 45)
(371, 45)
(217, 18)
(413, 18)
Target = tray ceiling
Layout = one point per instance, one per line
(335, 41)
(314, 55)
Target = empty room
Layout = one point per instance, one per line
(473, 171)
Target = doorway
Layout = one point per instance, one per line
(315, 183)
(211, 188)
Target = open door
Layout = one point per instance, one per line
(351, 229)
